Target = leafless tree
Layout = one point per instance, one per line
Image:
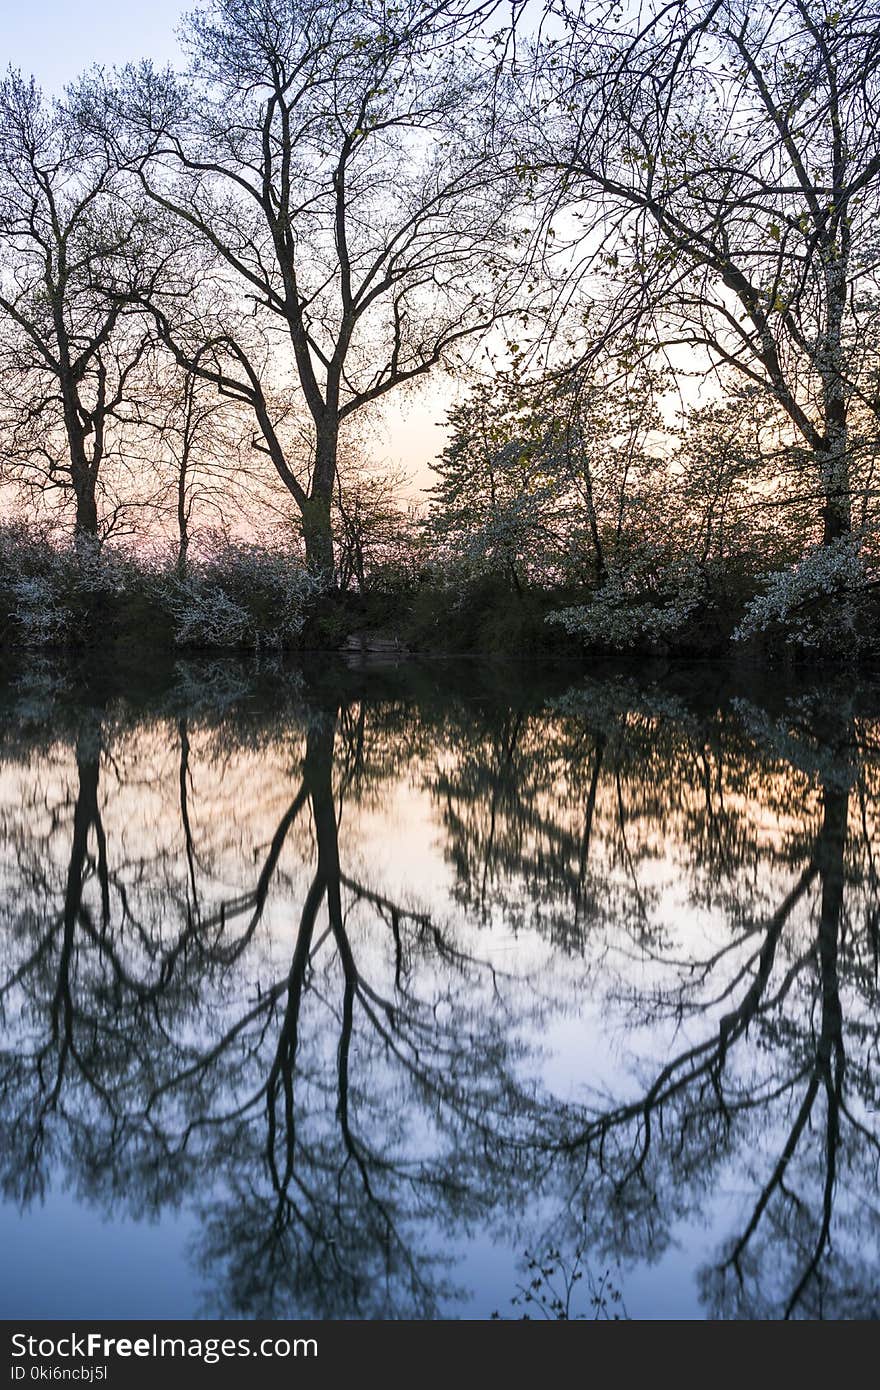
(72, 262)
(199, 443)
(340, 164)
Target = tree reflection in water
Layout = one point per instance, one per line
(212, 999)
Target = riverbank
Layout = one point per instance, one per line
(247, 598)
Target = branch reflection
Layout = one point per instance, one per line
(626, 989)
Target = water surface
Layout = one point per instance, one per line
(408, 992)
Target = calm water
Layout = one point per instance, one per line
(348, 993)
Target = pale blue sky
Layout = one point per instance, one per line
(56, 39)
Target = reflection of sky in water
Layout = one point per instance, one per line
(61, 1260)
(586, 972)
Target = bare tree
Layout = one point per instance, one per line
(340, 164)
(197, 440)
(72, 261)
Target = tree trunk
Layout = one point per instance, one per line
(182, 564)
(601, 571)
(83, 469)
(84, 478)
(317, 529)
(836, 518)
(318, 535)
(86, 525)
(834, 468)
(182, 524)
(834, 461)
(834, 458)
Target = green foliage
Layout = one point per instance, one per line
(477, 614)
(543, 476)
(667, 530)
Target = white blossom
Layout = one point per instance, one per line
(823, 603)
(636, 605)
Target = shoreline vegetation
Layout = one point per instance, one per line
(250, 598)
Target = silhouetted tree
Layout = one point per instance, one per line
(336, 162)
(725, 156)
(72, 263)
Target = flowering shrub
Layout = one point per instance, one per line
(46, 587)
(824, 603)
(642, 602)
(238, 596)
(241, 596)
(36, 607)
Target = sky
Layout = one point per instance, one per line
(55, 40)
